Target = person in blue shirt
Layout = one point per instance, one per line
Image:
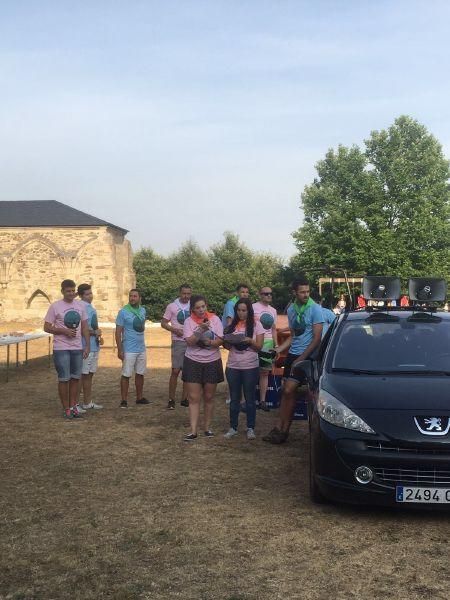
(131, 350)
(306, 320)
(90, 364)
(242, 291)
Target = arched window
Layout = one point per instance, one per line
(39, 300)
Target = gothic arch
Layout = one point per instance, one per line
(37, 292)
(36, 238)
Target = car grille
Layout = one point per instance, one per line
(413, 476)
(388, 447)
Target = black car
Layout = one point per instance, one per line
(380, 415)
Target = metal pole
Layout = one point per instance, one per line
(17, 355)
(7, 363)
(26, 352)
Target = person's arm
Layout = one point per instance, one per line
(275, 334)
(286, 344)
(119, 336)
(315, 342)
(165, 324)
(215, 343)
(85, 332)
(50, 328)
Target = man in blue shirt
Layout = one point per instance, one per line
(242, 291)
(305, 324)
(90, 364)
(130, 340)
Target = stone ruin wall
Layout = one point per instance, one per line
(34, 261)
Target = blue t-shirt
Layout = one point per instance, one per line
(133, 337)
(93, 324)
(228, 311)
(312, 315)
(328, 319)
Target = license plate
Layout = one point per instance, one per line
(422, 494)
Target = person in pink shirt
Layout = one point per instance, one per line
(173, 320)
(202, 367)
(267, 316)
(243, 338)
(67, 321)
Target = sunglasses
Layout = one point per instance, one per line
(266, 293)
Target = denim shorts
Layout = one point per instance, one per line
(68, 364)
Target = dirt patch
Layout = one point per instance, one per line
(117, 506)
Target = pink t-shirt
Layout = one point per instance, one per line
(267, 316)
(177, 313)
(69, 315)
(196, 353)
(245, 359)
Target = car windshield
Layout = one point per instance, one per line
(390, 343)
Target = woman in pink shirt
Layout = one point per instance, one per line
(202, 367)
(243, 338)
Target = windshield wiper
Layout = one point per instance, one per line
(358, 371)
(403, 372)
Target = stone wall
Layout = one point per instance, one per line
(34, 261)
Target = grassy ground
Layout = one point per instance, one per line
(117, 506)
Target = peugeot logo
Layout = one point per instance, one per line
(433, 425)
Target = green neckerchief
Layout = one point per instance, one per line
(134, 310)
(234, 299)
(301, 308)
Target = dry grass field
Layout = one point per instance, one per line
(117, 506)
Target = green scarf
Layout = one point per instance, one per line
(234, 299)
(134, 310)
(301, 308)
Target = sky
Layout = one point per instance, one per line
(184, 119)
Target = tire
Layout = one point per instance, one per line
(314, 493)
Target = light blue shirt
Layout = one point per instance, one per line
(92, 320)
(228, 311)
(133, 337)
(312, 316)
(329, 317)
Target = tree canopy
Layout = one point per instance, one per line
(214, 273)
(380, 210)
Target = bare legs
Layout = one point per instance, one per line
(68, 392)
(263, 385)
(195, 392)
(86, 382)
(125, 383)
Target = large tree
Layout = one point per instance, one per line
(383, 209)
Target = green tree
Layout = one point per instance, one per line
(214, 273)
(381, 210)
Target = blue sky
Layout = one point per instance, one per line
(184, 119)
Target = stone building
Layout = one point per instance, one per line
(43, 242)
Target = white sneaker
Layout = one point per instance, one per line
(80, 409)
(230, 433)
(92, 405)
(228, 401)
(251, 434)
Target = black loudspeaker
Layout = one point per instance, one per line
(381, 288)
(427, 289)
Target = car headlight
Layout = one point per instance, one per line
(336, 413)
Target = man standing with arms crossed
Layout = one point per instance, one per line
(267, 316)
(305, 323)
(173, 320)
(90, 364)
(130, 340)
(66, 320)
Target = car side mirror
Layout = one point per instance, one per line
(309, 369)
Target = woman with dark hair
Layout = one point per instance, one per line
(202, 366)
(243, 338)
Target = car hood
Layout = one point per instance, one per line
(398, 392)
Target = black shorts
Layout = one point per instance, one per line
(197, 372)
(297, 375)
